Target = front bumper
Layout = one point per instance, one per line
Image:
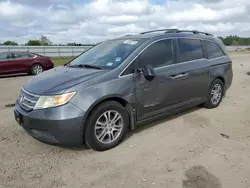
(60, 125)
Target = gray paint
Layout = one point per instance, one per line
(143, 99)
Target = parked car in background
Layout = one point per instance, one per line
(118, 84)
(24, 62)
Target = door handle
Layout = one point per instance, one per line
(174, 77)
(179, 76)
(183, 75)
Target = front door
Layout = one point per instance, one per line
(154, 96)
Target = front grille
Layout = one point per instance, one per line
(27, 100)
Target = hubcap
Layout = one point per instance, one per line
(37, 69)
(108, 127)
(216, 94)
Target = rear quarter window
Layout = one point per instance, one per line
(189, 49)
(213, 50)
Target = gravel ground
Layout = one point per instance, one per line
(199, 148)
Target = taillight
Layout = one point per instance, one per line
(50, 59)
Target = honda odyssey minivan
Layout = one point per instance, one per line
(96, 98)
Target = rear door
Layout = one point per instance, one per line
(192, 70)
(5, 63)
(169, 89)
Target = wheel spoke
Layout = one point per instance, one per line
(102, 135)
(118, 126)
(106, 116)
(98, 127)
(100, 123)
(109, 115)
(111, 136)
(116, 118)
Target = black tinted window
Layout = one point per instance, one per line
(129, 70)
(158, 54)
(19, 55)
(213, 50)
(4, 56)
(30, 55)
(190, 49)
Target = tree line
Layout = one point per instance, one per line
(42, 41)
(232, 40)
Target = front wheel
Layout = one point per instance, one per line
(215, 94)
(106, 126)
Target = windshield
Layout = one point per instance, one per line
(107, 55)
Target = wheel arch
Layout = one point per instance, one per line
(125, 103)
(221, 78)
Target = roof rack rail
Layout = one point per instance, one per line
(152, 31)
(177, 31)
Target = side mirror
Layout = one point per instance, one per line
(148, 72)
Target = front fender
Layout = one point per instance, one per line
(121, 88)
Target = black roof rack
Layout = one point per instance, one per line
(177, 31)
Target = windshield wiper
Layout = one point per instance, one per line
(86, 66)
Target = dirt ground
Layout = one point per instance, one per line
(186, 150)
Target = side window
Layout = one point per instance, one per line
(19, 56)
(129, 70)
(30, 55)
(4, 57)
(157, 55)
(190, 49)
(213, 50)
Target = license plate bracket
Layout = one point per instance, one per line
(18, 118)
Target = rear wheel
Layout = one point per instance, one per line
(215, 94)
(106, 126)
(36, 69)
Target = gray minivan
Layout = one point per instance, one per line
(118, 84)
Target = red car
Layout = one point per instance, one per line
(24, 62)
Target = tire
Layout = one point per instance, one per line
(36, 69)
(214, 100)
(98, 136)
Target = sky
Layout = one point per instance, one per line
(90, 21)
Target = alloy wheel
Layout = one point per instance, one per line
(37, 69)
(216, 94)
(108, 127)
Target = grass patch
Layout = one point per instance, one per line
(239, 52)
(61, 61)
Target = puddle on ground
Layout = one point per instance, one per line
(199, 177)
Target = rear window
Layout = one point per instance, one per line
(213, 50)
(190, 49)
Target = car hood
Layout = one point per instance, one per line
(58, 79)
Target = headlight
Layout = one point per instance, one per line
(53, 101)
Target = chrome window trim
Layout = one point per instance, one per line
(172, 49)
